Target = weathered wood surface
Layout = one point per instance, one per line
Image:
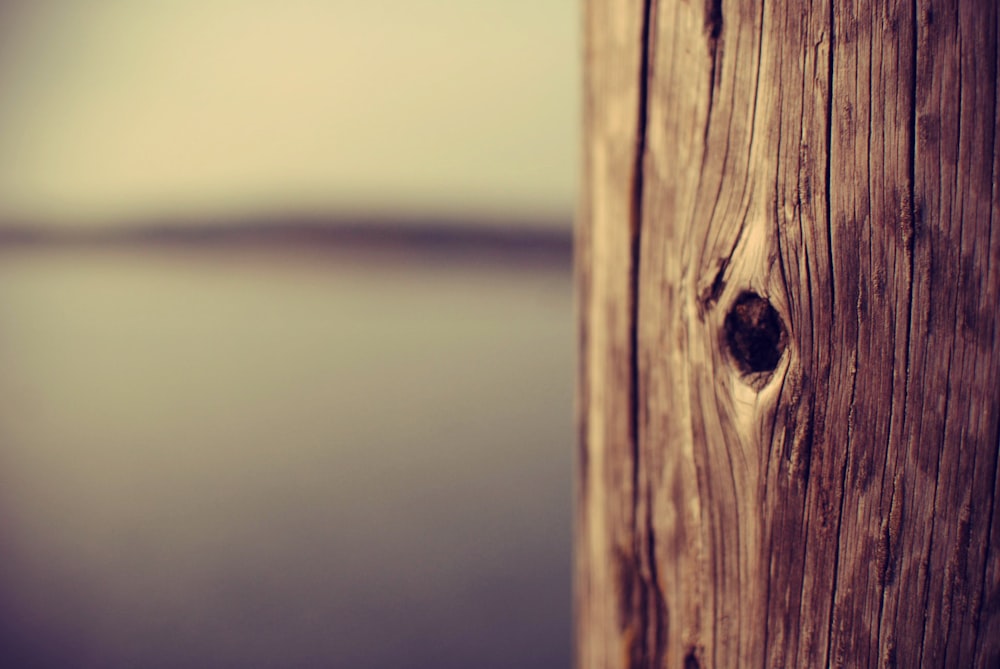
(839, 160)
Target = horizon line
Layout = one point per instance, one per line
(512, 238)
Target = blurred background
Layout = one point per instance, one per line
(286, 332)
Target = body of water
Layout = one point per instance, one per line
(283, 458)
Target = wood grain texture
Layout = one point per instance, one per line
(839, 160)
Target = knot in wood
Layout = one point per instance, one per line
(755, 334)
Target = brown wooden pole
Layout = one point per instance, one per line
(789, 283)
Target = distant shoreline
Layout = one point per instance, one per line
(548, 242)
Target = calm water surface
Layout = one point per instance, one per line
(283, 459)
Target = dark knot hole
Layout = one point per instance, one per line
(755, 334)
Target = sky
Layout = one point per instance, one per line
(118, 111)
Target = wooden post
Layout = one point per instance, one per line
(790, 290)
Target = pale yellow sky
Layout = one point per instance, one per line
(115, 110)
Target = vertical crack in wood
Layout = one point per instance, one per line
(887, 570)
(947, 592)
(652, 605)
(912, 259)
(713, 29)
(659, 603)
(909, 221)
(781, 261)
(833, 311)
